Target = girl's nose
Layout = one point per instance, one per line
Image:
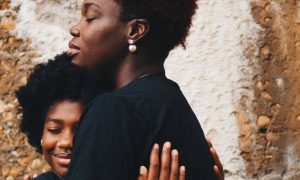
(66, 141)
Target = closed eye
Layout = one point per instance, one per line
(54, 131)
(90, 19)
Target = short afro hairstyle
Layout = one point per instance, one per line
(170, 21)
(49, 83)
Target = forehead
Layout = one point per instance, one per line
(102, 4)
(65, 111)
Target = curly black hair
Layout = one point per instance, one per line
(49, 83)
(170, 21)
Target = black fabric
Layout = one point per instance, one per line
(118, 130)
(47, 176)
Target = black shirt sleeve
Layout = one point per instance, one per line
(107, 142)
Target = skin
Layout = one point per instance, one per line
(99, 36)
(100, 44)
(57, 140)
(169, 167)
(218, 168)
(57, 143)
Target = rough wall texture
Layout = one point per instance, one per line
(269, 138)
(16, 156)
(239, 72)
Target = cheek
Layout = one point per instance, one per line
(104, 39)
(101, 44)
(48, 145)
(49, 142)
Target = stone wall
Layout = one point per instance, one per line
(16, 157)
(240, 73)
(269, 137)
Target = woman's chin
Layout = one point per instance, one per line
(76, 60)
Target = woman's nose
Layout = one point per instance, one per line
(74, 31)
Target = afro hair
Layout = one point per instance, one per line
(49, 83)
(170, 20)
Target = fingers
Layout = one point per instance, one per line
(27, 177)
(165, 162)
(174, 166)
(169, 167)
(218, 169)
(216, 159)
(218, 173)
(209, 142)
(143, 173)
(182, 173)
(154, 163)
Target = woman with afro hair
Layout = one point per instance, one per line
(127, 41)
(51, 103)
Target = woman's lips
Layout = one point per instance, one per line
(72, 52)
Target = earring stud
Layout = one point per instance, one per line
(132, 47)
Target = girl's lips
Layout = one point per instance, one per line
(62, 159)
(72, 52)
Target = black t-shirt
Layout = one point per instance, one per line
(47, 176)
(118, 129)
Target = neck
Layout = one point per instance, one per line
(133, 68)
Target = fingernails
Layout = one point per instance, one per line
(143, 170)
(174, 152)
(216, 168)
(167, 145)
(156, 146)
(35, 175)
(182, 169)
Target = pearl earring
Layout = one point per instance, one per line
(132, 47)
(41, 142)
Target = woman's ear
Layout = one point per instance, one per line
(138, 28)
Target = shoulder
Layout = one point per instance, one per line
(150, 83)
(47, 176)
(108, 101)
(110, 107)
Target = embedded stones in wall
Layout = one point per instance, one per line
(270, 143)
(16, 157)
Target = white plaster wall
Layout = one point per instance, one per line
(46, 23)
(210, 71)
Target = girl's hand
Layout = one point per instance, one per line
(218, 168)
(29, 177)
(169, 170)
(169, 167)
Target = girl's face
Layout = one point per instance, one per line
(57, 140)
(99, 38)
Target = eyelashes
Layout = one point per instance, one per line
(54, 131)
(90, 19)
